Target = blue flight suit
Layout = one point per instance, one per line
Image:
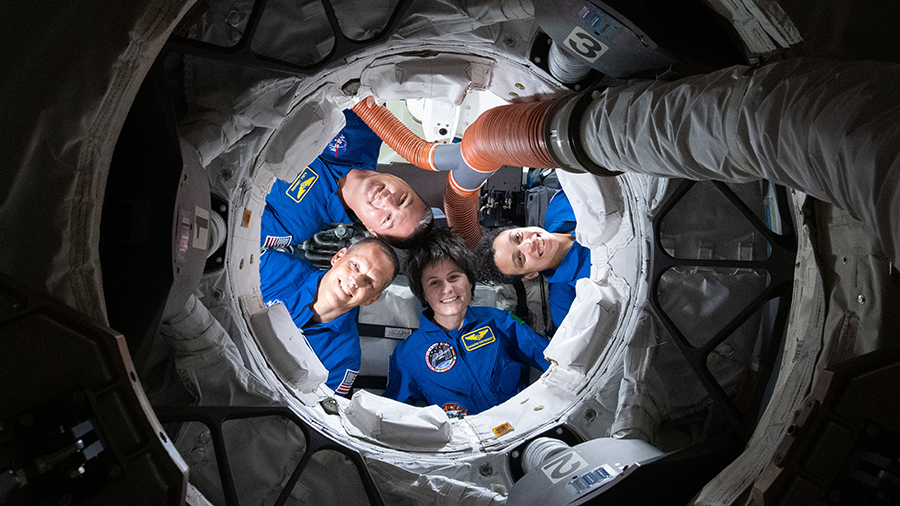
(471, 369)
(575, 265)
(297, 210)
(293, 281)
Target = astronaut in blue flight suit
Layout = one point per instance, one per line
(464, 359)
(507, 254)
(323, 303)
(342, 184)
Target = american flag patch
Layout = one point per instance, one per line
(278, 242)
(349, 378)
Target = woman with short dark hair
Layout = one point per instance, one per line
(464, 359)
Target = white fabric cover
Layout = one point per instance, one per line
(287, 350)
(827, 128)
(73, 70)
(396, 424)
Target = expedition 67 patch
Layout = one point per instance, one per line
(440, 357)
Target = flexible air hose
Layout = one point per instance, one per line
(395, 134)
(508, 135)
(462, 215)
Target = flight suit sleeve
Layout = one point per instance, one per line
(355, 146)
(280, 277)
(402, 385)
(525, 345)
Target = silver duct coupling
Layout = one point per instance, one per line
(565, 66)
(562, 133)
(540, 450)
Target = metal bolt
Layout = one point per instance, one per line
(234, 17)
(204, 437)
(223, 208)
(198, 455)
(590, 414)
(218, 294)
(226, 174)
(486, 470)
(515, 454)
(862, 299)
(559, 431)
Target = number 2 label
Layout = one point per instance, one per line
(563, 465)
(584, 45)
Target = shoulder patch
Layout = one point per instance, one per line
(338, 145)
(302, 184)
(478, 338)
(349, 378)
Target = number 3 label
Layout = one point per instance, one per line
(563, 465)
(581, 43)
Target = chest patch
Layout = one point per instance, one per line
(478, 338)
(302, 184)
(440, 357)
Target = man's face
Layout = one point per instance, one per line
(357, 277)
(386, 205)
(525, 251)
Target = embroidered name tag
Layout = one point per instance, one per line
(302, 184)
(478, 338)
